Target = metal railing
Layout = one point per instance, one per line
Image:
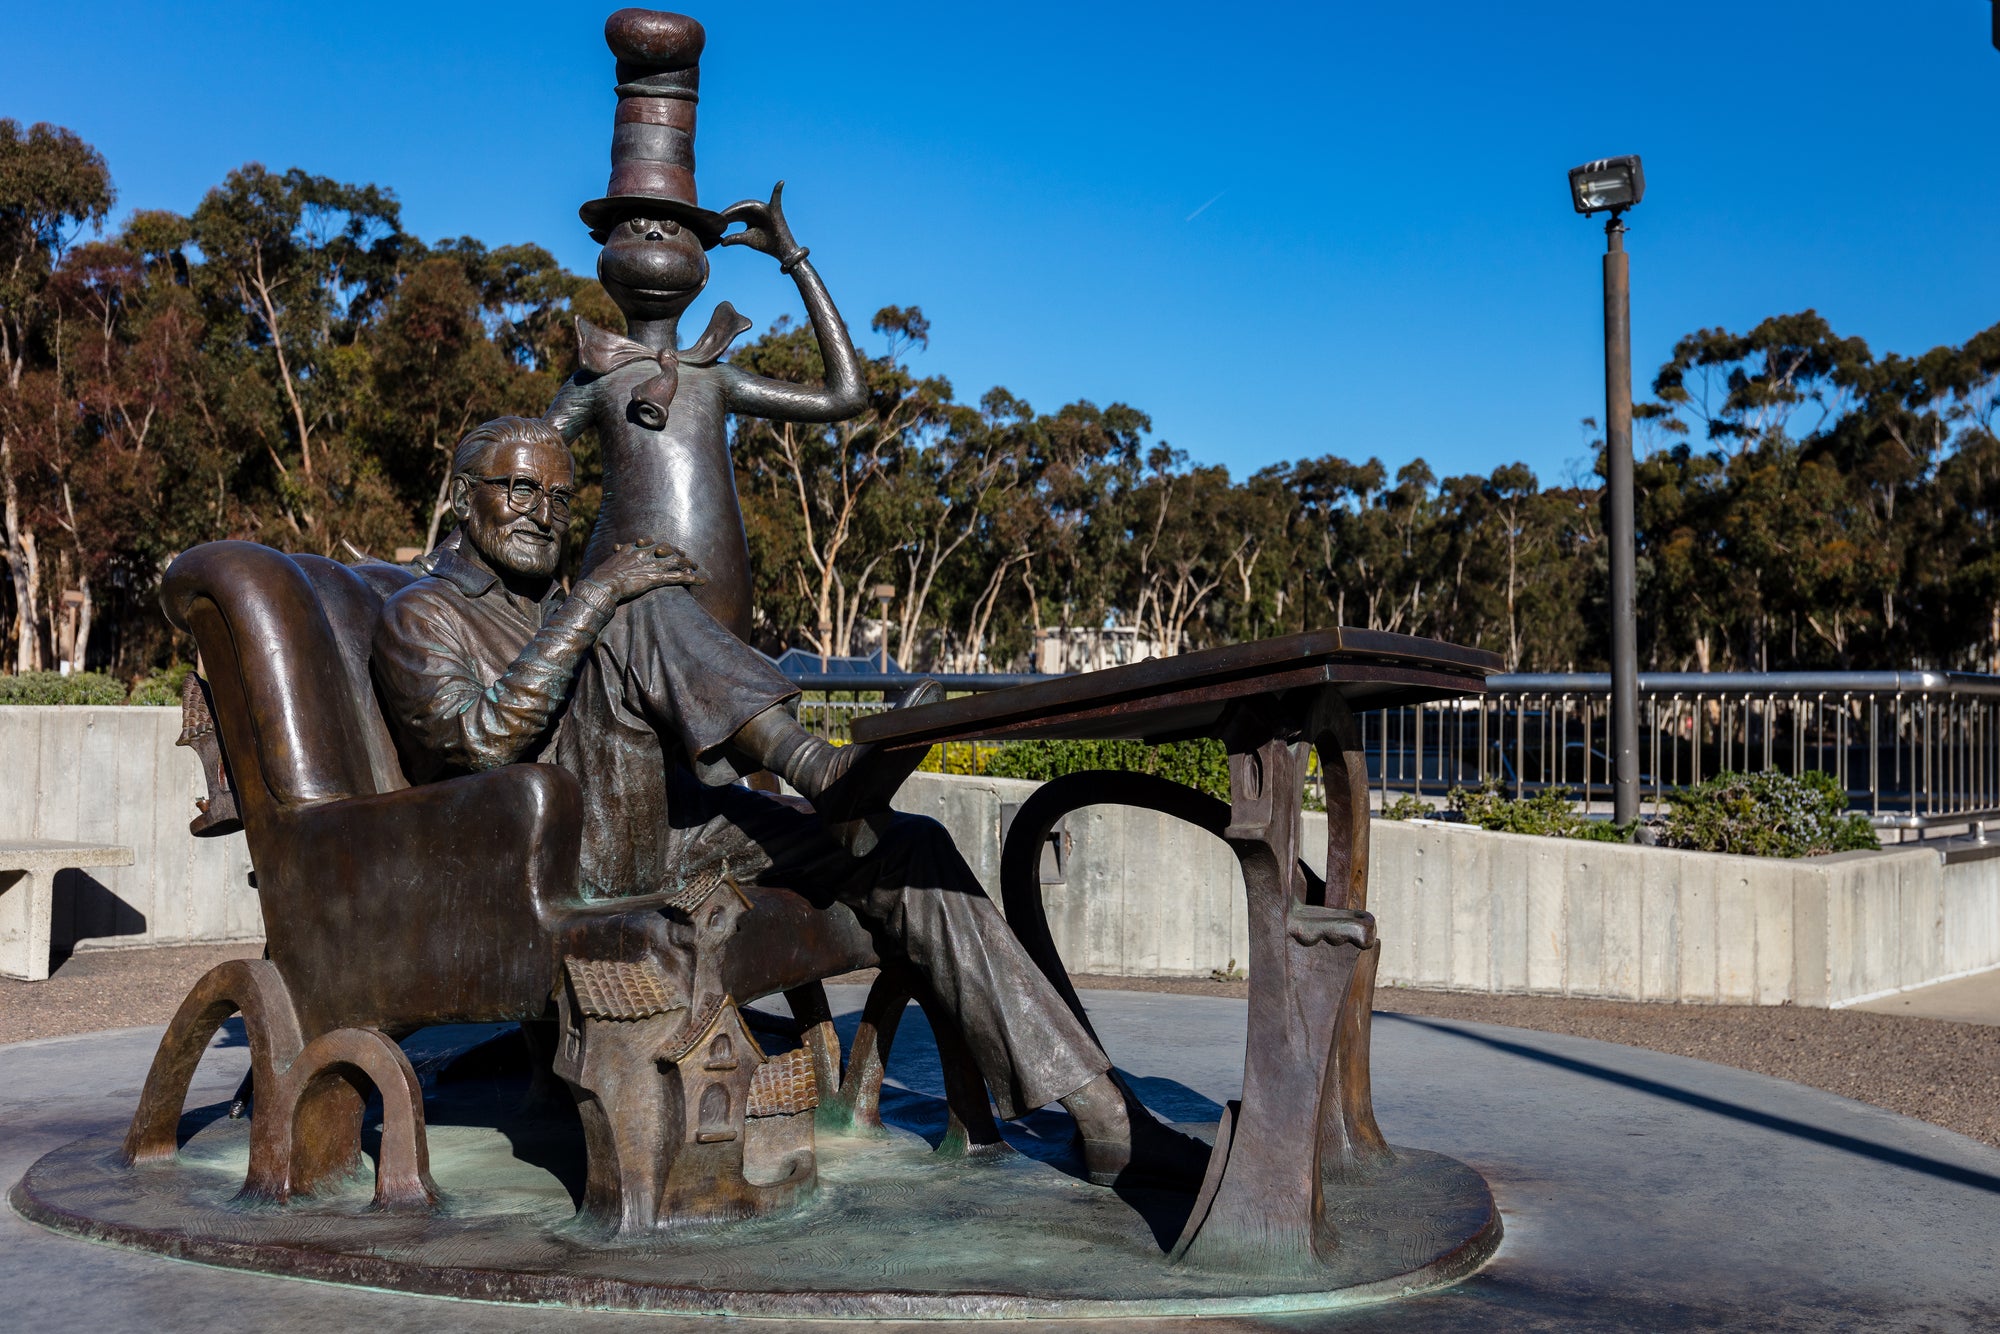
(833, 701)
(1914, 750)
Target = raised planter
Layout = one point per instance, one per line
(1466, 909)
(1138, 894)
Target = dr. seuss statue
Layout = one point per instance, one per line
(661, 409)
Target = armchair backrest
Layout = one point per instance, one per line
(284, 645)
(351, 598)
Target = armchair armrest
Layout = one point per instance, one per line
(427, 905)
(784, 941)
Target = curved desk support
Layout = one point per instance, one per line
(1306, 1114)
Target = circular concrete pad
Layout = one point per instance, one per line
(894, 1231)
(1639, 1191)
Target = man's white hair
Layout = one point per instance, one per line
(474, 455)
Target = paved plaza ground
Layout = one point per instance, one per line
(1932, 1054)
(1640, 1191)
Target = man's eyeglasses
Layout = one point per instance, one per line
(524, 494)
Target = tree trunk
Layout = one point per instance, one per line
(27, 605)
(1513, 620)
(23, 568)
(284, 368)
(79, 654)
(441, 508)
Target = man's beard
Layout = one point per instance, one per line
(522, 555)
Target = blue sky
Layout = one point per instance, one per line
(1281, 230)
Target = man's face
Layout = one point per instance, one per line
(517, 513)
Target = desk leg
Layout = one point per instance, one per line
(1336, 735)
(1262, 1206)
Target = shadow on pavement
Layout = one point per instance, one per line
(1882, 1153)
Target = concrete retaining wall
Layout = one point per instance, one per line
(1143, 895)
(114, 775)
(1469, 910)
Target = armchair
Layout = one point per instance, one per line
(389, 907)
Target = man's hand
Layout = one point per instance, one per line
(764, 228)
(635, 570)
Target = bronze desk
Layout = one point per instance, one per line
(1305, 1120)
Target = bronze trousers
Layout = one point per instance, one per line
(654, 706)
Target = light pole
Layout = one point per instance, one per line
(885, 594)
(1616, 184)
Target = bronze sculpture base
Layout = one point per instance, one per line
(894, 1231)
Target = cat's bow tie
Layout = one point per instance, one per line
(601, 352)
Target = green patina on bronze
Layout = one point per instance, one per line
(895, 1229)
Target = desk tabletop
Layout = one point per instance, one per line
(1168, 699)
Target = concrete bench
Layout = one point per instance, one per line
(28, 869)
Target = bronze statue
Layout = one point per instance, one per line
(388, 908)
(660, 409)
(473, 796)
(631, 686)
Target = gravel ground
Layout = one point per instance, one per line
(1947, 1074)
(109, 989)
(1944, 1073)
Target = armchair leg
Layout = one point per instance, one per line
(814, 1014)
(320, 1094)
(325, 1146)
(622, 1101)
(972, 1132)
(855, 1106)
(251, 987)
(305, 1130)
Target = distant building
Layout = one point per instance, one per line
(1090, 648)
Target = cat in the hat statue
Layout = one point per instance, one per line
(661, 409)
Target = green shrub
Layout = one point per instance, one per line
(1548, 813)
(1198, 764)
(1767, 815)
(959, 757)
(163, 686)
(1407, 807)
(55, 688)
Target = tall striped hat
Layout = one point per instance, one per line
(652, 137)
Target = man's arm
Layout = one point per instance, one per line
(432, 684)
(431, 681)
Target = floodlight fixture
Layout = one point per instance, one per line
(1615, 183)
(1612, 185)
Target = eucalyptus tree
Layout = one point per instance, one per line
(293, 268)
(53, 186)
(817, 489)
